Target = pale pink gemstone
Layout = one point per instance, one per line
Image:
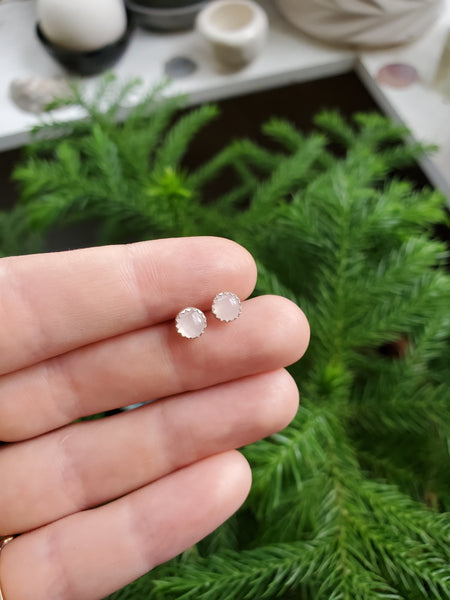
(398, 75)
(226, 306)
(191, 323)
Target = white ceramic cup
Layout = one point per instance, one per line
(236, 30)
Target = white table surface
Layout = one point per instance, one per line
(420, 107)
(288, 57)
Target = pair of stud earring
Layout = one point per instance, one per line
(191, 322)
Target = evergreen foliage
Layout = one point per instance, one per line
(352, 500)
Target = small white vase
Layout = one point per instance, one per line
(82, 25)
(235, 29)
(362, 23)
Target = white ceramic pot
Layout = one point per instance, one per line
(82, 25)
(235, 29)
(362, 23)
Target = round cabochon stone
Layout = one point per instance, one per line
(226, 306)
(191, 322)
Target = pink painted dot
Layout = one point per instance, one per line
(398, 75)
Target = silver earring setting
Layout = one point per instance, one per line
(226, 306)
(191, 322)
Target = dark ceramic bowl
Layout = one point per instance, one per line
(172, 15)
(91, 62)
(168, 4)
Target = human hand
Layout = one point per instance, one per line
(99, 503)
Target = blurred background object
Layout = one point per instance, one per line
(235, 29)
(82, 25)
(442, 79)
(166, 15)
(362, 23)
(85, 37)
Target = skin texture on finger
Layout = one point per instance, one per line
(90, 463)
(91, 554)
(272, 332)
(54, 303)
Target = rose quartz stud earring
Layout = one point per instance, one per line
(226, 306)
(190, 322)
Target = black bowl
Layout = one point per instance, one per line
(167, 4)
(173, 15)
(90, 62)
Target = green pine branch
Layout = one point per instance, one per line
(350, 501)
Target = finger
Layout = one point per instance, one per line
(53, 303)
(90, 463)
(89, 555)
(272, 332)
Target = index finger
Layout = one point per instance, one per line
(54, 303)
